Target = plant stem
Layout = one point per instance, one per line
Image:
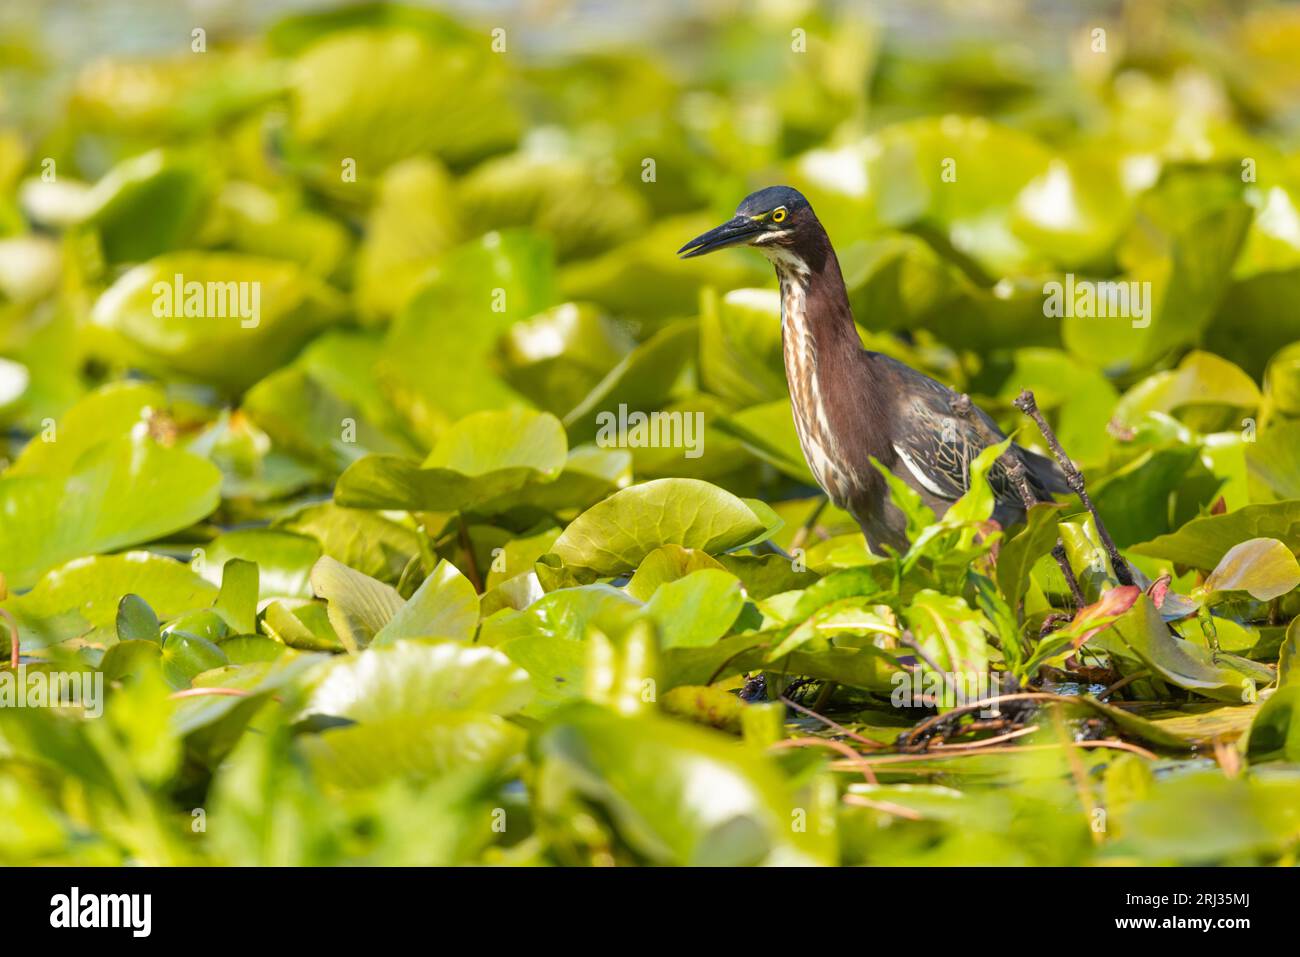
(1027, 404)
(13, 638)
(1016, 471)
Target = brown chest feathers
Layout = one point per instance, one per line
(814, 415)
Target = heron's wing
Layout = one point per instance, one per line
(936, 444)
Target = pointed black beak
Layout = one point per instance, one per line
(733, 232)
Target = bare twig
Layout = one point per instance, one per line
(1063, 560)
(1016, 472)
(839, 728)
(948, 753)
(907, 638)
(1027, 404)
(945, 748)
(1124, 682)
(914, 734)
(859, 761)
(887, 807)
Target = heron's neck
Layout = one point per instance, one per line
(820, 343)
(814, 301)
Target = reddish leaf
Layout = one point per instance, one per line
(1159, 589)
(1101, 613)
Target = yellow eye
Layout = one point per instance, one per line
(778, 214)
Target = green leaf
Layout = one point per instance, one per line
(237, 600)
(711, 707)
(740, 346)
(1204, 541)
(130, 656)
(283, 560)
(1273, 460)
(1178, 661)
(1077, 397)
(562, 194)
(439, 359)
(976, 504)
(359, 606)
(565, 613)
(202, 622)
(1017, 557)
(382, 94)
(1264, 567)
(145, 205)
(136, 621)
(952, 635)
(295, 627)
(184, 656)
(666, 564)
(1202, 378)
(359, 538)
(305, 418)
(556, 667)
(482, 457)
(414, 679)
(1135, 501)
(82, 597)
(560, 355)
(412, 222)
(444, 606)
(422, 709)
(406, 747)
(236, 318)
(640, 770)
(845, 616)
(697, 609)
(1275, 732)
(110, 411)
(246, 649)
(643, 380)
(123, 492)
(618, 533)
(919, 516)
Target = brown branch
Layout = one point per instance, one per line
(834, 726)
(1063, 561)
(1016, 471)
(912, 736)
(1027, 404)
(907, 638)
(1123, 683)
(946, 753)
(886, 807)
(859, 760)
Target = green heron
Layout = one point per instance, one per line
(850, 404)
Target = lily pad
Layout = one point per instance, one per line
(618, 533)
(122, 492)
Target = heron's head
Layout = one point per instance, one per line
(773, 220)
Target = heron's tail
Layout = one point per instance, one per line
(1044, 474)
